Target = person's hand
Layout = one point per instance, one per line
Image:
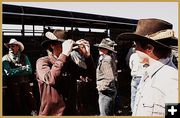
(85, 79)
(84, 47)
(20, 65)
(67, 47)
(27, 67)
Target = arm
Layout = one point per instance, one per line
(172, 91)
(28, 66)
(18, 71)
(49, 74)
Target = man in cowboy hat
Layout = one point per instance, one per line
(153, 38)
(106, 75)
(16, 71)
(57, 73)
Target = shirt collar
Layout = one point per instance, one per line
(156, 65)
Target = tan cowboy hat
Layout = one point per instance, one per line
(108, 44)
(14, 41)
(154, 31)
(56, 36)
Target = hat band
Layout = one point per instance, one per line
(161, 34)
(107, 47)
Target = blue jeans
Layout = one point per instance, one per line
(107, 103)
(134, 85)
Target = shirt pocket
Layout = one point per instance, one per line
(154, 109)
(148, 108)
(158, 110)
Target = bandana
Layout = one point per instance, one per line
(15, 58)
(78, 59)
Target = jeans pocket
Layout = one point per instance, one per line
(108, 93)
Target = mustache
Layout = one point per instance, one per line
(11, 50)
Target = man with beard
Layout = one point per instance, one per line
(16, 71)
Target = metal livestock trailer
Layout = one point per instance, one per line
(28, 25)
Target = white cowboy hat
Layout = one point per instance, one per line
(56, 36)
(14, 41)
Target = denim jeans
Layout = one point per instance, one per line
(107, 103)
(134, 85)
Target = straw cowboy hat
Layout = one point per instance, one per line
(14, 41)
(154, 31)
(108, 44)
(56, 36)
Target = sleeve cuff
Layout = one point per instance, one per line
(62, 58)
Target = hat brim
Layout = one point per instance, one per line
(21, 46)
(45, 44)
(136, 37)
(97, 45)
(50, 38)
(169, 41)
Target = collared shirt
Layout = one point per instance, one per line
(105, 73)
(159, 86)
(11, 69)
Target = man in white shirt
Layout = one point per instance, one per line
(159, 85)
